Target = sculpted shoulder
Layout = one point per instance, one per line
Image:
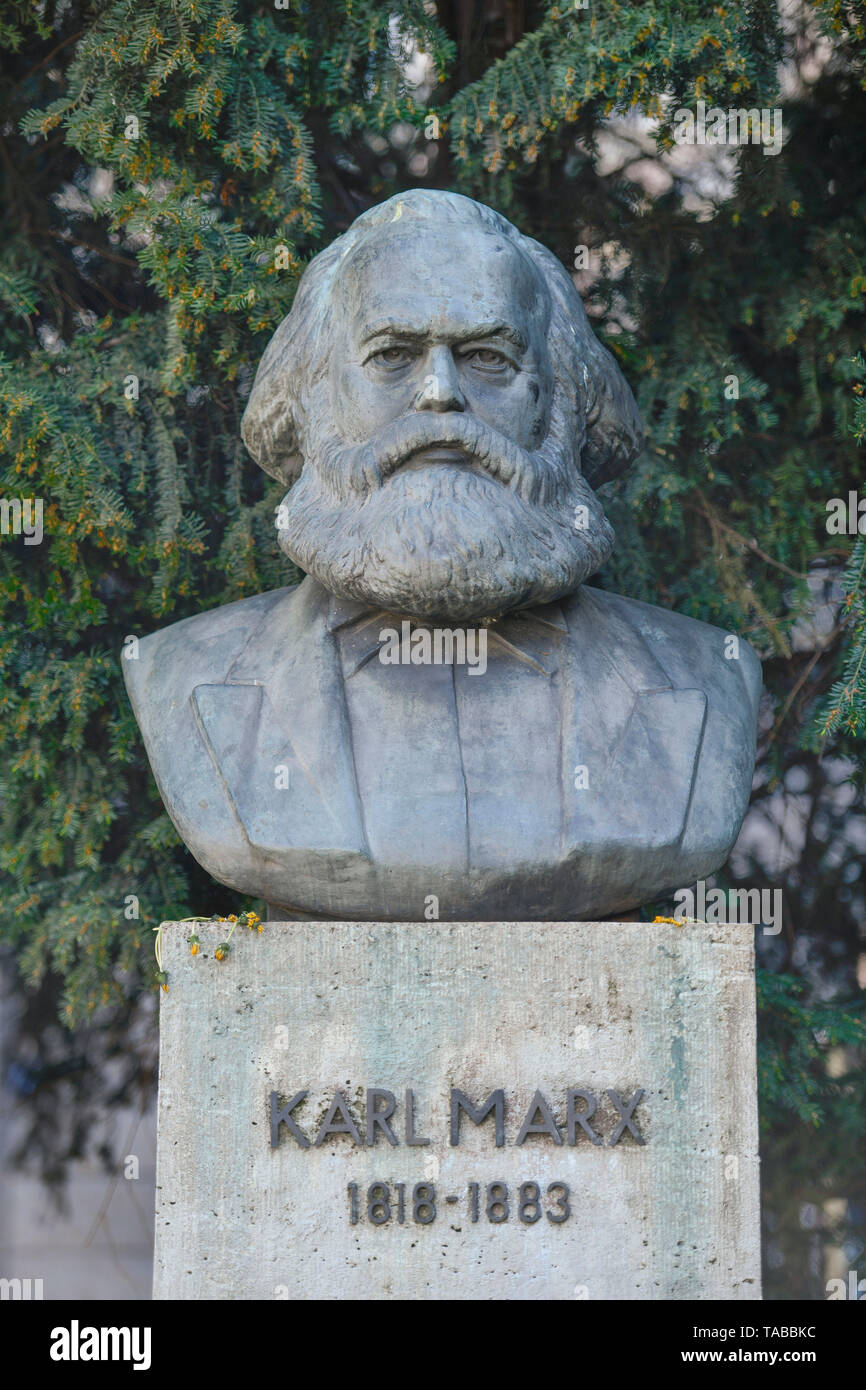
(694, 654)
(171, 663)
(197, 650)
(699, 694)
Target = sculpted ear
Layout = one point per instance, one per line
(293, 361)
(268, 426)
(614, 430)
(610, 428)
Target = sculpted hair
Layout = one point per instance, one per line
(594, 395)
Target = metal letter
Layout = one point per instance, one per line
(380, 1117)
(411, 1139)
(283, 1115)
(495, 1101)
(581, 1117)
(625, 1120)
(547, 1124)
(348, 1125)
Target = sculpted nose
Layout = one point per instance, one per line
(441, 389)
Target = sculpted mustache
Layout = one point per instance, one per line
(367, 466)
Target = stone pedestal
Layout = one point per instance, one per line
(514, 1110)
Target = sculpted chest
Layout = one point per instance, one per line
(338, 779)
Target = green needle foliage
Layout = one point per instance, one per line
(845, 706)
(169, 166)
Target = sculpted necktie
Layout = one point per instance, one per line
(452, 754)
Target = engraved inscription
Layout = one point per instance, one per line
(491, 1115)
(492, 1202)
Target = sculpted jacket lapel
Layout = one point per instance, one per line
(282, 706)
(631, 731)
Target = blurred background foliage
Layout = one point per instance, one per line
(167, 169)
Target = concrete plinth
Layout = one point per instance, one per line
(513, 1110)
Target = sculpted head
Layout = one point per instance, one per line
(440, 409)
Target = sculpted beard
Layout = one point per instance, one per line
(454, 541)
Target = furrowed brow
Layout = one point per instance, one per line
(474, 333)
(388, 329)
(494, 330)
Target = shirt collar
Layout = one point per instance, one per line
(529, 636)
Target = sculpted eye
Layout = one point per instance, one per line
(392, 357)
(488, 359)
